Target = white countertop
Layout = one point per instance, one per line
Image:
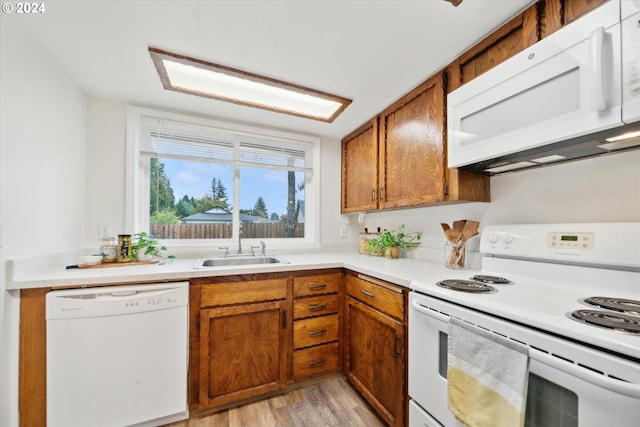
(399, 271)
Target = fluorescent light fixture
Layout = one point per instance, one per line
(620, 142)
(549, 159)
(510, 167)
(624, 136)
(193, 76)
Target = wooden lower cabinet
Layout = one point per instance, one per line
(242, 351)
(241, 338)
(316, 360)
(375, 359)
(317, 324)
(256, 335)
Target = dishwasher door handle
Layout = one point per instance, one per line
(123, 294)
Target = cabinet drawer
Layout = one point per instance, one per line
(225, 293)
(316, 330)
(315, 306)
(315, 360)
(385, 297)
(316, 285)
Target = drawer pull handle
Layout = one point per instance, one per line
(367, 293)
(318, 362)
(317, 307)
(318, 332)
(318, 287)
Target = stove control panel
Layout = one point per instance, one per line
(576, 241)
(598, 244)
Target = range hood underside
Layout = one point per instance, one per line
(591, 145)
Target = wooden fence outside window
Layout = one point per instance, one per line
(222, 231)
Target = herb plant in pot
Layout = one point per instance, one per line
(145, 247)
(392, 241)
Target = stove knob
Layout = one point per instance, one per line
(507, 238)
(493, 238)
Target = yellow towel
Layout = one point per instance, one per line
(486, 377)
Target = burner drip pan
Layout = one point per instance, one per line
(494, 280)
(610, 320)
(622, 305)
(466, 286)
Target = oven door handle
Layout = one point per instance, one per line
(617, 386)
(429, 312)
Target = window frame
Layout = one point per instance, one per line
(137, 183)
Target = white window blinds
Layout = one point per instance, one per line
(188, 141)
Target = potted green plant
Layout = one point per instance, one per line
(374, 247)
(390, 242)
(145, 247)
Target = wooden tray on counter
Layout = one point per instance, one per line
(115, 264)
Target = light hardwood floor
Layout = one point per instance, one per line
(330, 403)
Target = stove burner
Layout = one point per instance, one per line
(628, 306)
(494, 280)
(466, 286)
(610, 320)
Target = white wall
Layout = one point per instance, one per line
(42, 139)
(105, 175)
(105, 178)
(601, 189)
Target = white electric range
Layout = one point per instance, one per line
(540, 278)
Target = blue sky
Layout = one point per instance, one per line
(194, 180)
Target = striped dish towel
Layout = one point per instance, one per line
(486, 377)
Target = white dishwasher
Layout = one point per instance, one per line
(117, 355)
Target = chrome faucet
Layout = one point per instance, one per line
(262, 247)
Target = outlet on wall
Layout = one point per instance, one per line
(104, 231)
(343, 232)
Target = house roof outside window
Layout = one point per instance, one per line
(223, 216)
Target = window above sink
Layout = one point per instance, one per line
(200, 182)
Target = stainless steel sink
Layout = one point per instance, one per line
(225, 262)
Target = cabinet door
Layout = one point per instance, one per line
(411, 168)
(375, 359)
(360, 169)
(513, 37)
(243, 351)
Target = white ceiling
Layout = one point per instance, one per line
(369, 51)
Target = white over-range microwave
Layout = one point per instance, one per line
(566, 97)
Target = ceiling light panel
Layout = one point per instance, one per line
(196, 77)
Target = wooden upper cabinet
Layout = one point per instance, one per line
(555, 14)
(399, 158)
(360, 169)
(411, 148)
(535, 23)
(513, 37)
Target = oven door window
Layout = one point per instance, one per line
(548, 404)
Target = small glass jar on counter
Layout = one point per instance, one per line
(109, 249)
(124, 248)
(454, 255)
